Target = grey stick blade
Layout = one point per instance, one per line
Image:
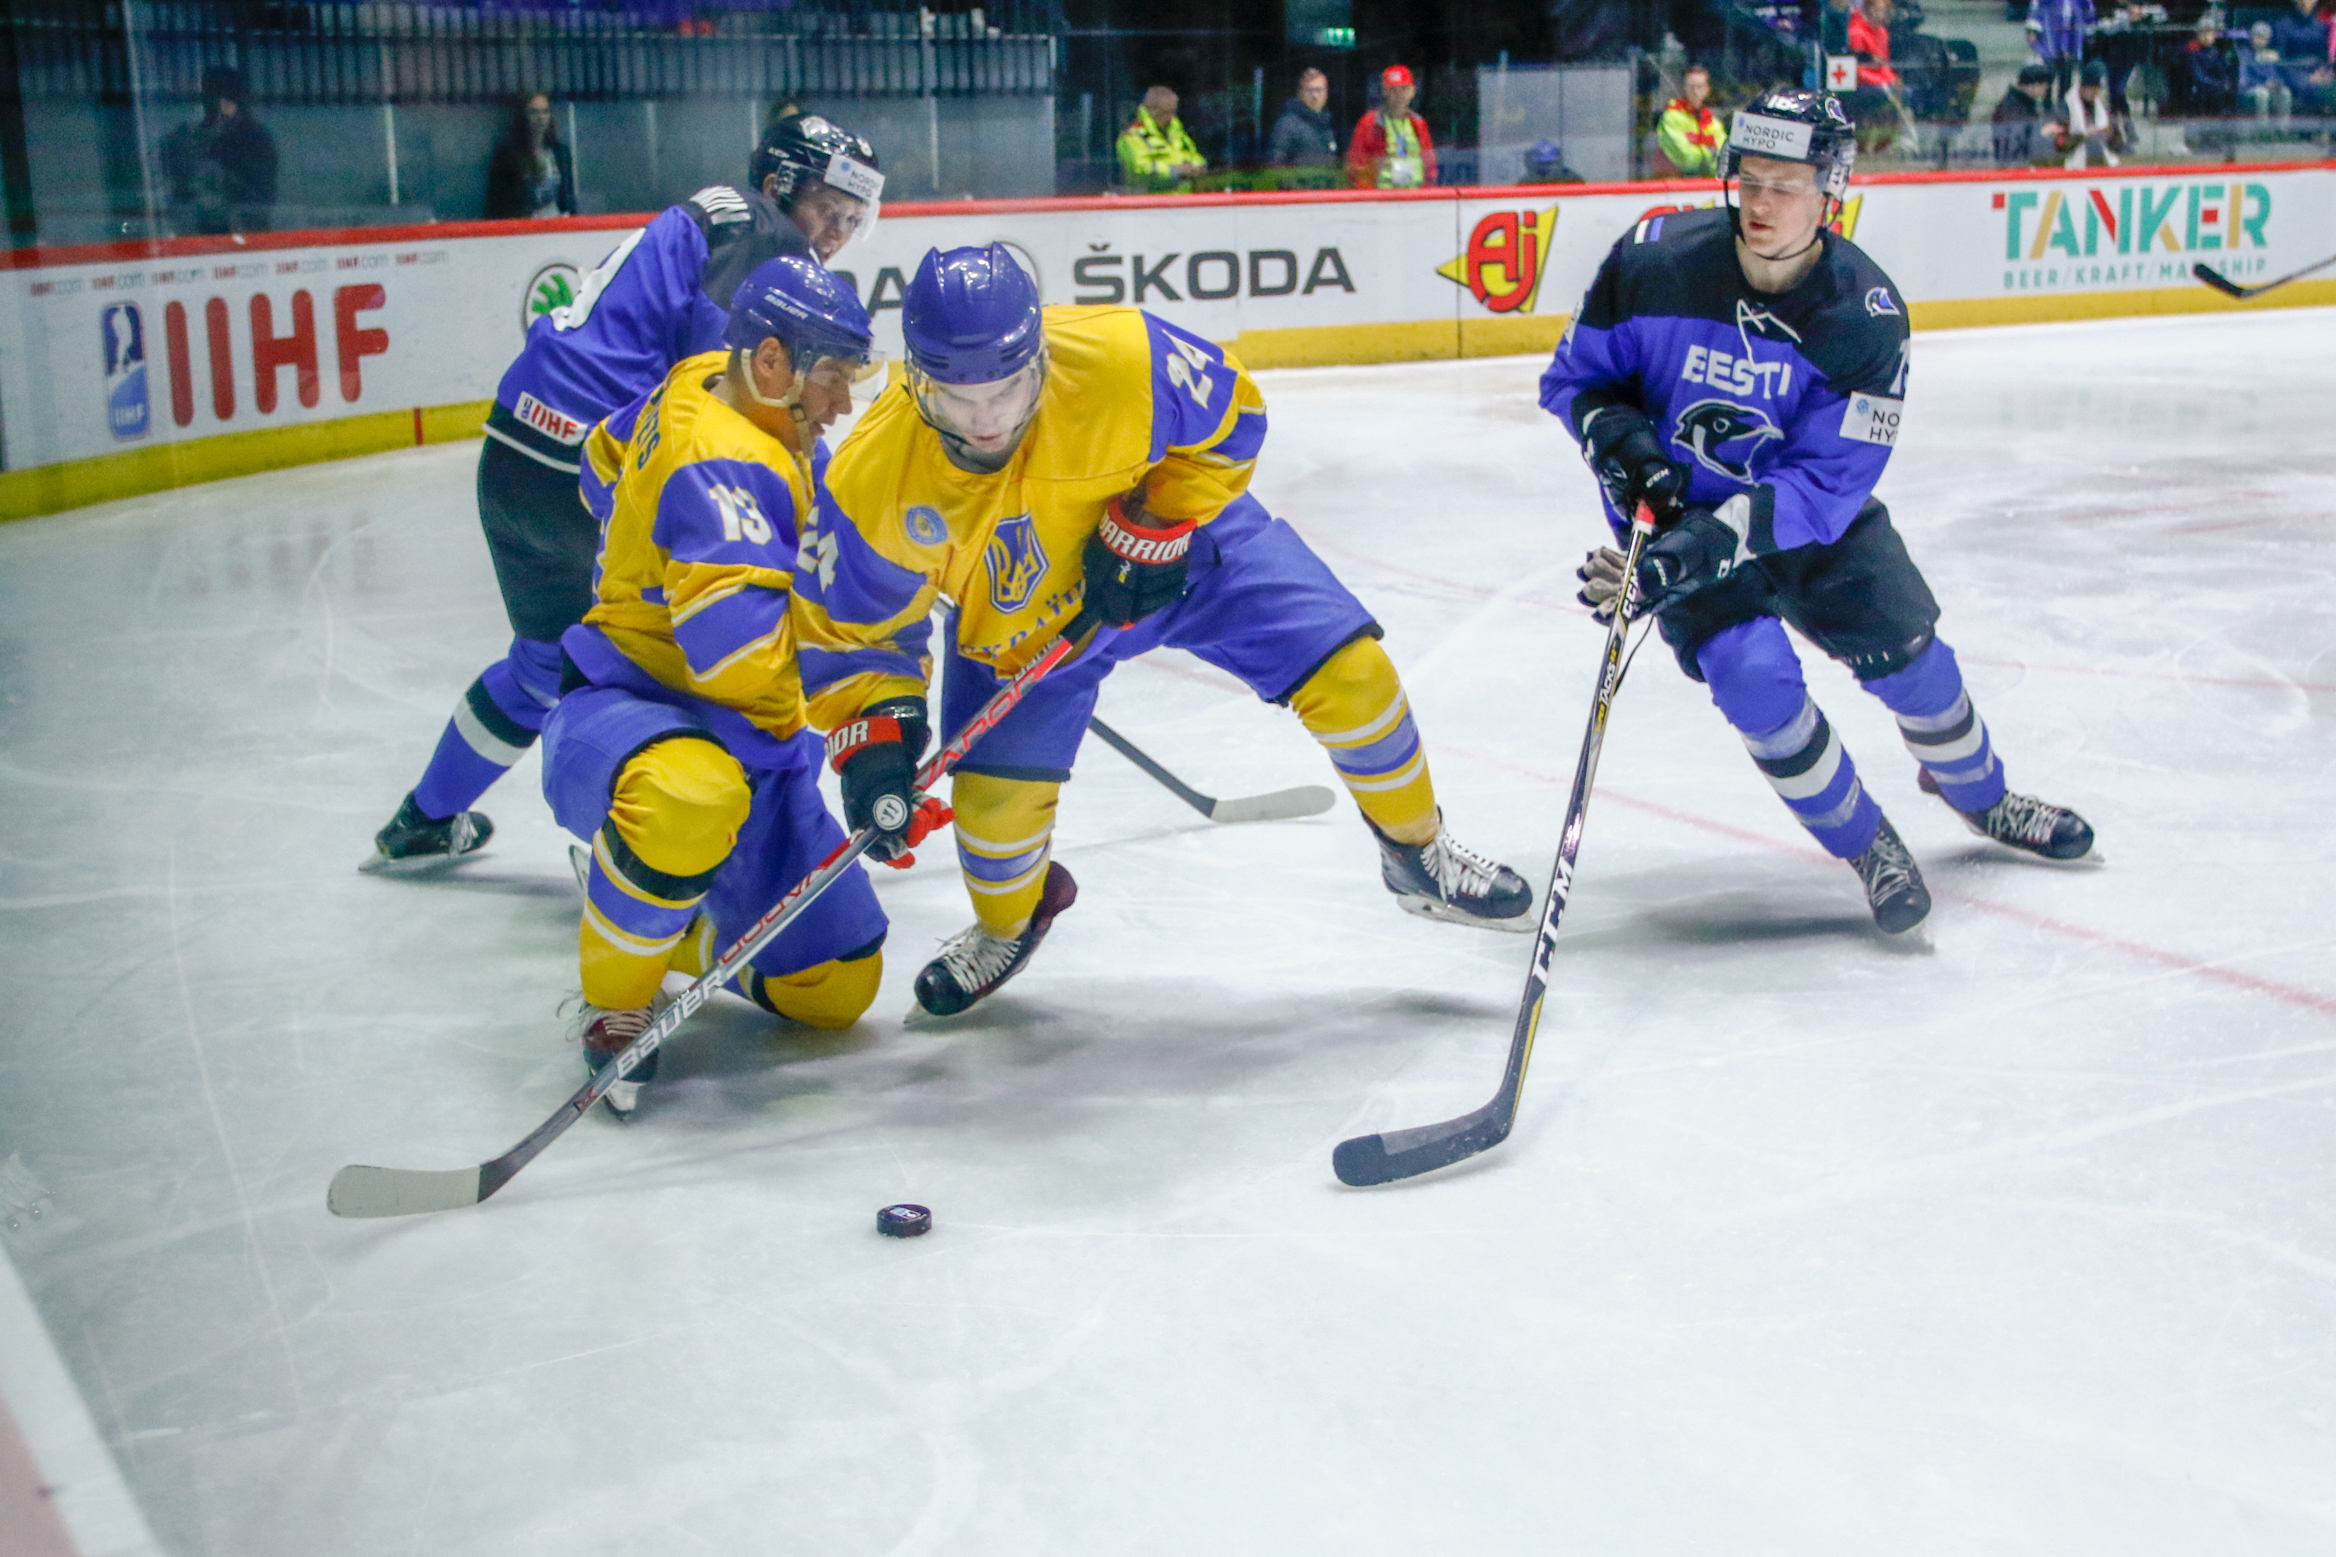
(360, 1191)
(1282, 805)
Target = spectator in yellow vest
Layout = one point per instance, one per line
(1391, 147)
(1154, 152)
(1690, 133)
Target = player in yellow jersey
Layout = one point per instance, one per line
(679, 747)
(1037, 458)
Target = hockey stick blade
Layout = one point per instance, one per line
(1281, 806)
(1403, 1154)
(2217, 280)
(2229, 288)
(1365, 1160)
(361, 1191)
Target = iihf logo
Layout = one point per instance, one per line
(1713, 429)
(126, 407)
(1016, 562)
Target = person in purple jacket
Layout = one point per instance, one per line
(662, 294)
(2059, 34)
(1742, 372)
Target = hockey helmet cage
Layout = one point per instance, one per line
(1793, 124)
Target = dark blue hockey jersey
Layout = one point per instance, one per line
(662, 294)
(1791, 400)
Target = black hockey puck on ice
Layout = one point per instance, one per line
(904, 1221)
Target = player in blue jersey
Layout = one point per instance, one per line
(661, 295)
(1743, 371)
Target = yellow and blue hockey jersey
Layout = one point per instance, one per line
(699, 512)
(1128, 400)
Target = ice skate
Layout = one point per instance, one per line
(973, 962)
(2024, 822)
(413, 841)
(1893, 883)
(1441, 879)
(606, 1034)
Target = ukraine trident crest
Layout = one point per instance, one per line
(1016, 562)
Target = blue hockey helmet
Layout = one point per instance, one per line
(1794, 124)
(806, 307)
(976, 351)
(971, 316)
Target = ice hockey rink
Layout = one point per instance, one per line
(2020, 1241)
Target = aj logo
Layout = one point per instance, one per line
(1016, 562)
(1506, 256)
(1724, 436)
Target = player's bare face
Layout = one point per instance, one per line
(1778, 209)
(827, 394)
(829, 219)
(990, 417)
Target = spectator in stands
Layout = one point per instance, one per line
(2023, 136)
(1391, 147)
(1545, 164)
(1874, 107)
(2058, 32)
(1304, 137)
(2205, 79)
(222, 171)
(531, 173)
(1689, 133)
(1833, 26)
(2261, 81)
(1155, 154)
(2304, 64)
(2095, 133)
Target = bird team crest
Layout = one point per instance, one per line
(1016, 562)
(1724, 436)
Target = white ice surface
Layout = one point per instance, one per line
(2021, 1244)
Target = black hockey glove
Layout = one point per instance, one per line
(876, 756)
(1628, 460)
(1699, 551)
(1135, 562)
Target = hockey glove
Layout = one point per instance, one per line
(1628, 460)
(876, 756)
(1135, 563)
(1701, 550)
(1601, 576)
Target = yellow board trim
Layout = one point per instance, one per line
(48, 489)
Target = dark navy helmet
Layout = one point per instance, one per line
(971, 316)
(1793, 124)
(802, 303)
(805, 150)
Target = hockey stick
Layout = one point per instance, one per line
(1280, 806)
(2229, 288)
(361, 1191)
(1401, 1154)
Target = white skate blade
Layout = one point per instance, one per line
(1444, 913)
(380, 864)
(580, 861)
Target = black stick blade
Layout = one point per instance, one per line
(360, 1191)
(1403, 1154)
(2217, 280)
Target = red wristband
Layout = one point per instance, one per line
(846, 739)
(1132, 542)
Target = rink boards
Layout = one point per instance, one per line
(135, 367)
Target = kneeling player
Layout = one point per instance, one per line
(1037, 458)
(678, 745)
(1741, 372)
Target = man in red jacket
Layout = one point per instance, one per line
(1391, 148)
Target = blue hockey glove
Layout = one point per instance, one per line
(1701, 550)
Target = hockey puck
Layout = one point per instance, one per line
(904, 1221)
